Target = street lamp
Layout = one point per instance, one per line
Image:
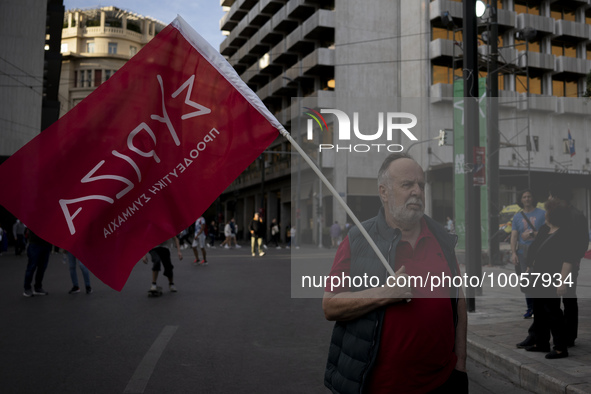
(480, 8)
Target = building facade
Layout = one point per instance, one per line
(339, 54)
(96, 43)
(21, 72)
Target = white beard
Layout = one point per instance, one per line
(404, 216)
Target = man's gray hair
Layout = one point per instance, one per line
(382, 178)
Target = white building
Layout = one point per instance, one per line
(95, 44)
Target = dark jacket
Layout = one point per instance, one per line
(354, 344)
(255, 226)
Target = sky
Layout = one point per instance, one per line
(203, 15)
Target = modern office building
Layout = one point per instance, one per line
(335, 53)
(96, 42)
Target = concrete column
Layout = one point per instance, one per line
(102, 29)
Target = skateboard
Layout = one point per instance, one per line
(155, 293)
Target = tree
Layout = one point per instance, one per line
(587, 92)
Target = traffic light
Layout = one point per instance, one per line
(442, 137)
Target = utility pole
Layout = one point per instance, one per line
(492, 128)
(471, 138)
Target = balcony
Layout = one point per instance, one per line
(540, 23)
(536, 60)
(295, 41)
(441, 92)
(281, 56)
(271, 6)
(282, 23)
(565, 64)
(442, 47)
(537, 102)
(320, 26)
(300, 9)
(319, 62)
(505, 19)
(438, 6)
(572, 105)
(572, 29)
(237, 11)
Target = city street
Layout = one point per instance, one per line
(231, 328)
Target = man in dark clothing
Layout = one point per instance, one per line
(579, 231)
(380, 342)
(38, 253)
(578, 242)
(256, 235)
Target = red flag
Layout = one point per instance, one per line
(142, 157)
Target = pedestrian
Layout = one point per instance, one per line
(550, 254)
(18, 231)
(199, 241)
(288, 236)
(234, 228)
(3, 240)
(577, 230)
(72, 262)
(38, 253)
(450, 226)
(228, 234)
(335, 234)
(525, 226)
(212, 231)
(380, 342)
(185, 237)
(293, 241)
(275, 233)
(263, 231)
(256, 235)
(161, 257)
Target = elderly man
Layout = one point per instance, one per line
(381, 342)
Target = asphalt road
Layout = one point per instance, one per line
(233, 327)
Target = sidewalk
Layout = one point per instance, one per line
(497, 325)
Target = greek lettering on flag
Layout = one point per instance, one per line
(141, 157)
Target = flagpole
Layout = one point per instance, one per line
(312, 165)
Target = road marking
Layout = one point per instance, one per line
(144, 370)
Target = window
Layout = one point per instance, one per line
(85, 78)
(564, 88)
(90, 47)
(535, 84)
(527, 7)
(132, 50)
(64, 48)
(112, 48)
(443, 74)
(109, 74)
(532, 143)
(98, 77)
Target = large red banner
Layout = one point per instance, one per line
(141, 157)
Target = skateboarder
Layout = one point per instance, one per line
(161, 255)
